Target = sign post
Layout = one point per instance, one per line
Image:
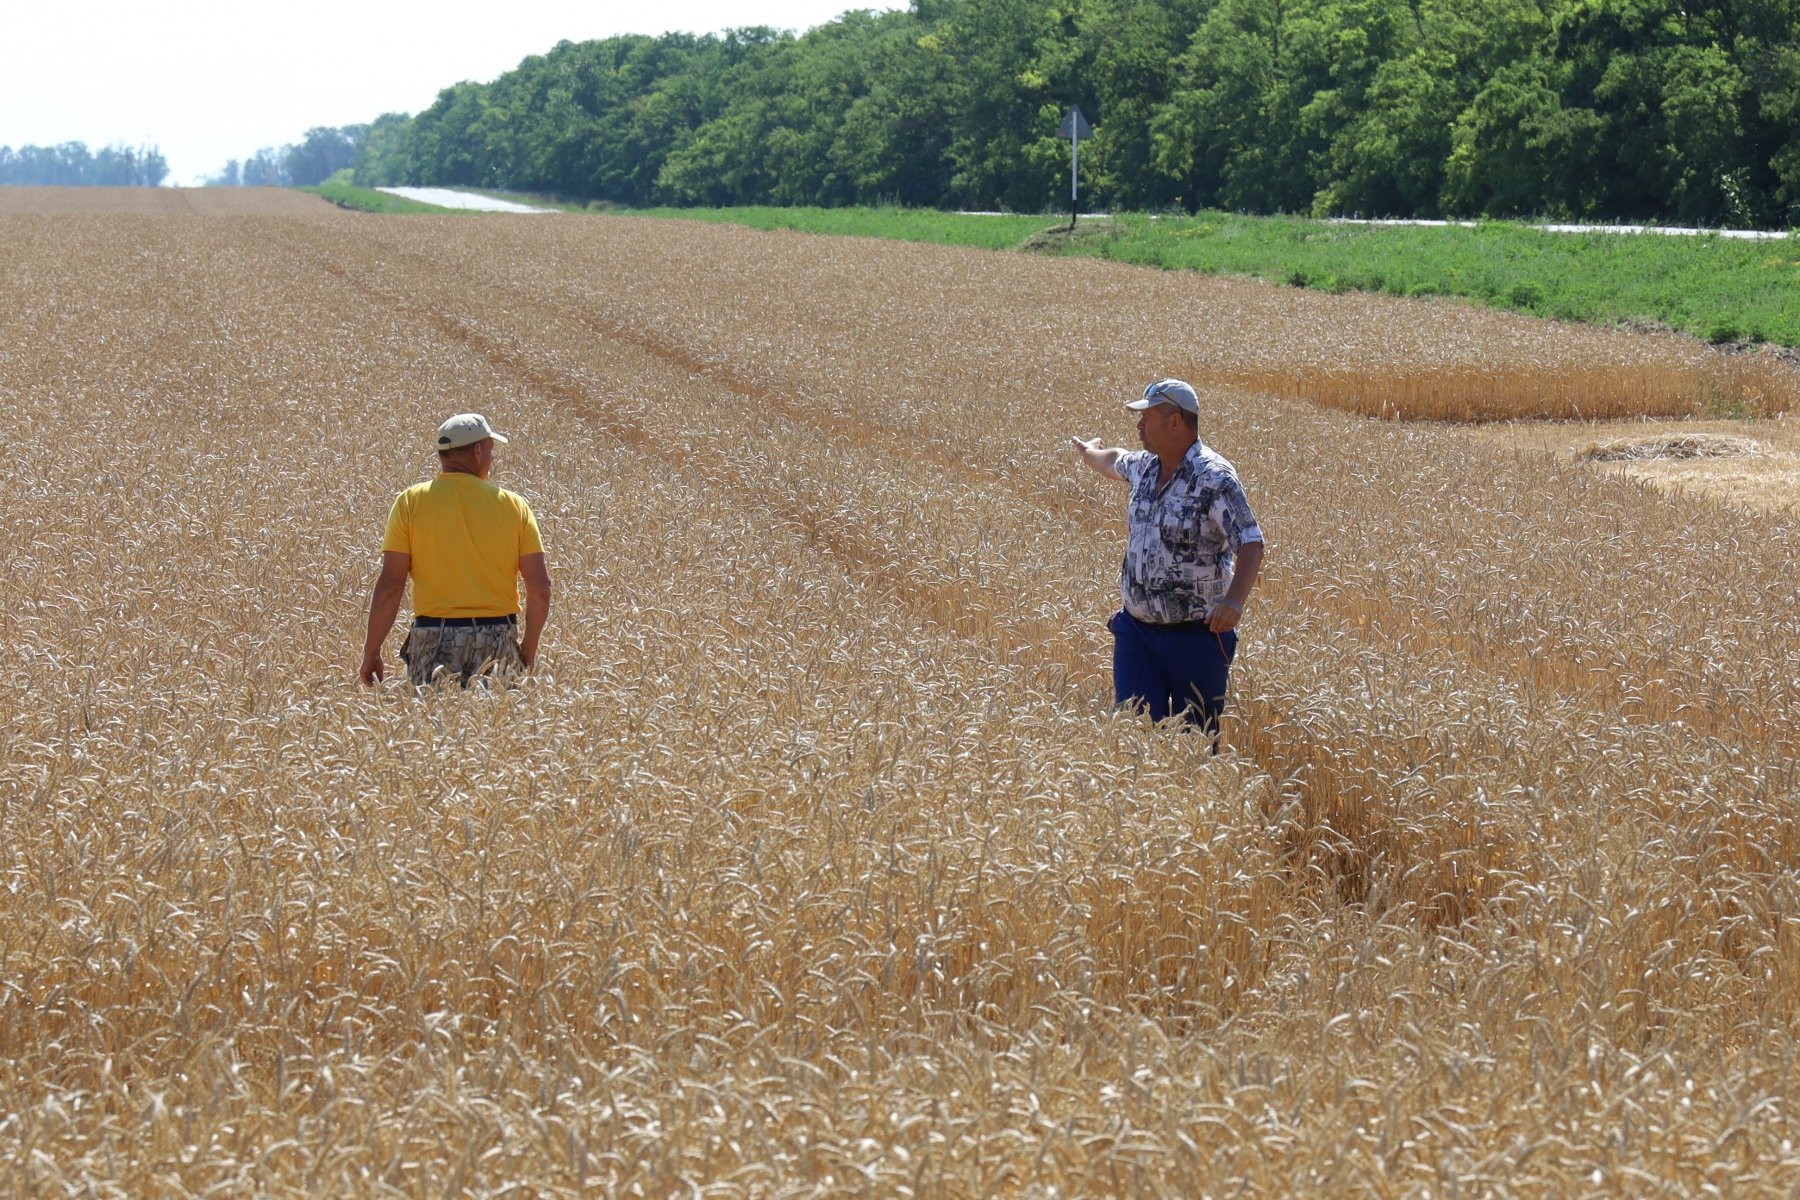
(1074, 128)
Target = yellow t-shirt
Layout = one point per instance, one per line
(465, 537)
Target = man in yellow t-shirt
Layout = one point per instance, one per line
(464, 542)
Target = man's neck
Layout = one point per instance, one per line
(1172, 459)
(462, 470)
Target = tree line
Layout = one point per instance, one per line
(1668, 109)
(72, 164)
(321, 153)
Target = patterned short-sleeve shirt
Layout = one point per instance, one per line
(1184, 536)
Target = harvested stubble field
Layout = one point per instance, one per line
(144, 201)
(814, 860)
(1751, 465)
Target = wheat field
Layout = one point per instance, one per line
(813, 860)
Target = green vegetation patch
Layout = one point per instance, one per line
(348, 195)
(904, 224)
(1721, 289)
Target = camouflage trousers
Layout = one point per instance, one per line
(462, 653)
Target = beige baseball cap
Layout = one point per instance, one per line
(464, 429)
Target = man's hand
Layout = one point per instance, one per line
(536, 572)
(1099, 457)
(384, 606)
(1224, 616)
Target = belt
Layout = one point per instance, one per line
(1175, 626)
(461, 622)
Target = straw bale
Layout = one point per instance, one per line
(1680, 446)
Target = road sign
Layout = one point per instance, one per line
(1074, 130)
(1075, 127)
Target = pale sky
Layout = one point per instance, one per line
(210, 81)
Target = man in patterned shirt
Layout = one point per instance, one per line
(1192, 557)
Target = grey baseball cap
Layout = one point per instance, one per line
(464, 429)
(1168, 391)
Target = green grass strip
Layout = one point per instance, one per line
(1723, 289)
(903, 224)
(362, 199)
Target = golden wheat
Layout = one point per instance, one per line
(814, 859)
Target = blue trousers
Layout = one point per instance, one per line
(1162, 671)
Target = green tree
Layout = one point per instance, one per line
(1665, 109)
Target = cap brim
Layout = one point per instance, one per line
(1153, 402)
(442, 449)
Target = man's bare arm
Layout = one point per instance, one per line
(536, 573)
(1102, 458)
(1224, 616)
(384, 606)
